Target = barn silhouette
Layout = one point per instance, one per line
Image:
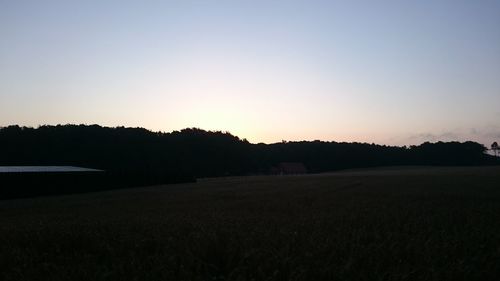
(289, 168)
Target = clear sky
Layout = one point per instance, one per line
(390, 72)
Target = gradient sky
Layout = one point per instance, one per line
(390, 72)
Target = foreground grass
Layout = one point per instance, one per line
(408, 224)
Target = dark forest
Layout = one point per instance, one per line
(140, 156)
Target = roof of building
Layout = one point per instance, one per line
(292, 164)
(45, 169)
(292, 167)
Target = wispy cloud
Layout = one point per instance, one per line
(484, 135)
(446, 136)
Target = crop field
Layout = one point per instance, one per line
(411, 223)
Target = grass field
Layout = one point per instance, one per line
(382, 224)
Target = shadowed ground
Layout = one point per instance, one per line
(383, 224)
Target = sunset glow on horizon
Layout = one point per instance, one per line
(390, 72)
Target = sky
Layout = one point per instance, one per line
(387, 72)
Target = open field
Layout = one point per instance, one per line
(382, 224)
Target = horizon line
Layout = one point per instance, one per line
(228, 132)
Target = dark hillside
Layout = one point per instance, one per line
(136, 156)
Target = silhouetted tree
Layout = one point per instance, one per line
(136, 156)
(494, 147)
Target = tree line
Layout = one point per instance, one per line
(139, 156)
